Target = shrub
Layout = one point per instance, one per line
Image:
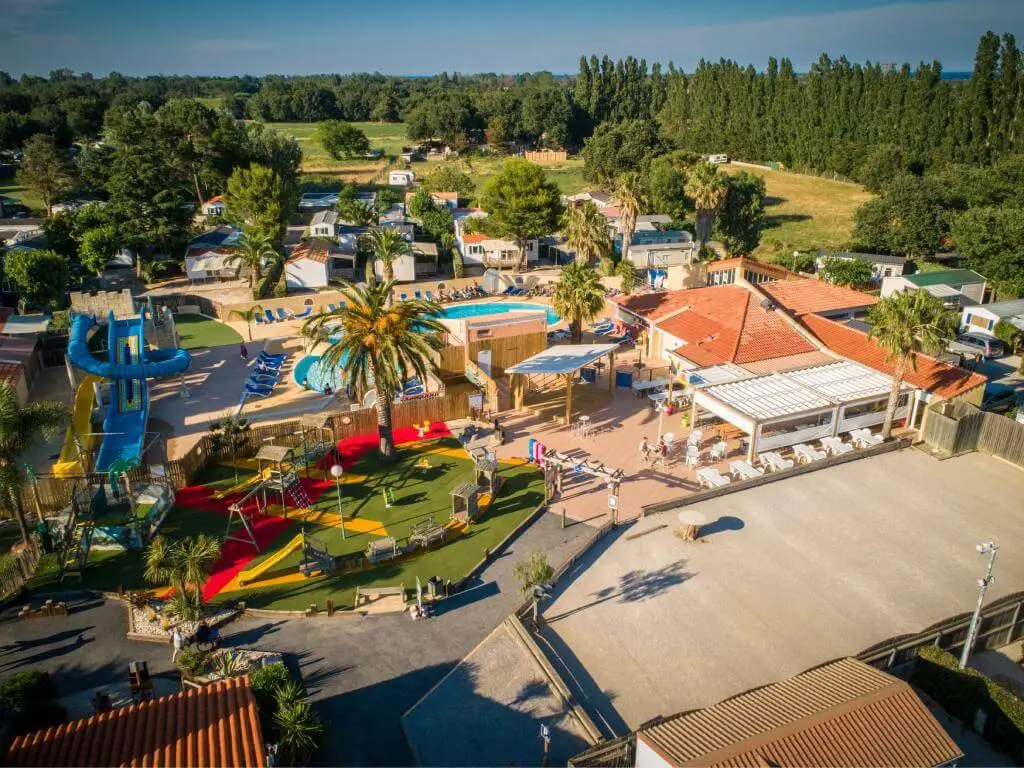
(606, 266)
(265, 683)
(280, 288)
(300, 732)
(1009, 334)
(370, 273)
(458, 268)
(59, 321)
(30, 698)
(192, 661)
(962, 692)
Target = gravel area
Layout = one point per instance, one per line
(141, 625)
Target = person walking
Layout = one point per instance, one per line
(645, 450)
(178, 641)
(243, 351)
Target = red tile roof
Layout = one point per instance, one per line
(475, 237)
(11, 373)
(740, 262)
(215, 199)
(726, 324)
(803, 296)
(931, 375)
(216, 725)
(313, 251)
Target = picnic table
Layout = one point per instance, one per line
(835, 446)
(709, 477)
(639, 387)
(805, 454)
(382, 549)
(862, 438)
(661, 397)
(773, 461)
(744, 470)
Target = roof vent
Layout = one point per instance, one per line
(768, 305)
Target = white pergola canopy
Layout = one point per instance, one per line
(562, 359)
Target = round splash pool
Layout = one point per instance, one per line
(497, 308)
(310, 372)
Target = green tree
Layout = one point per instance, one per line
(991, 241)
(357, 213)
(97, 247)
(387, 197)
(1009, 334)
(199, 144)
(184, 564)
(380, 343)
(633, 200)
(62, 233)
(522, 202)
(883, 164)
(586, 232)
(300, 731)
(44, 169)
(40, 278)
(617, 148)
(420, 203)
(905, 220)
(387, 246)
(629, 277)
(29, 702)
(667, 183)
(741, 214)
(341, 140)
(840, 271)
(252, 249)
(578, 297)
(707, 188)
(18, 429)
(247, 316)
(254, 202)
(449, 179)
(906, 324)
(534, 574)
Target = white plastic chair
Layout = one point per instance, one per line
(696, 436)
(692, 456)
(719, 450)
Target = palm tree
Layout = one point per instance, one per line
(380, 345)
(18, 428)
(387, 246)
(357, 213)
(632, 199)
(708, 188)
(184, 564)
(248, 316)
(579, 297)
(586, 232)
(250, 251)
(906, 324)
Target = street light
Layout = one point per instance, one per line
(336, 472)
(988, 548)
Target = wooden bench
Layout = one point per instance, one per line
(367, 593)
(381, 550)
(426, 532)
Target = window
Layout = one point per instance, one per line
(475, 250)
(722, 277)
(980, 322)
(797, 424)
(863, 409)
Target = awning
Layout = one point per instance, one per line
(206, 263)
(25, 324)
(562, 359)
(942, 291)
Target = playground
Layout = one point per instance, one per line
(295, 534)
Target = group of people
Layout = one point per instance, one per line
(205, 635)
(471, 292)
(653, 454)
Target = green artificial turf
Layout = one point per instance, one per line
(418, 496)
(196, 331)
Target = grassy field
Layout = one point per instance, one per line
(12, 188)
(805, 213)
(387, 137)
(196, 331)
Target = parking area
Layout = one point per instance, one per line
(786, 576)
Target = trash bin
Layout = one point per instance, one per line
(434, 587)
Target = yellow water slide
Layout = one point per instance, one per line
(254, 573)
(259, 477)
(81, 425)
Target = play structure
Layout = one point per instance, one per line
(126, 370)
(124, 516)
(315, 559)
(465, 503)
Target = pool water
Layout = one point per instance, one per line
(496, 308)
(311, 372)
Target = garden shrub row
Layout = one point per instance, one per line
(962, 692)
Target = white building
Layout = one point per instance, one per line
(324, 224)
(420, 263)
(882, 265)
(214, 206)
(316, 263)
(402, 178)
(480, 249)
(983, 318)
(956, 287)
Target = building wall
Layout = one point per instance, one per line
(648, 758)
(404, 267)
(321, 230)
(971, 316)
(305, 274)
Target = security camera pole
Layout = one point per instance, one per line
(988, 548)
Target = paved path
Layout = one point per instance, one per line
(362, 673)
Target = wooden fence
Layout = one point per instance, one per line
(18, 570)
(953, 428)
(544, 157)
(48, 495)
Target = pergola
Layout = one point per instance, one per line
(782, 409)
(564, 361)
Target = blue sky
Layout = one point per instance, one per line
(221, 37)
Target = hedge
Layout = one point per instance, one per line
(962, 692)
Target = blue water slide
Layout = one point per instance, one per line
(128, 366)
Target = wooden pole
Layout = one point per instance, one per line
(568, 398)
(611, 373)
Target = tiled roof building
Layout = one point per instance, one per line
(216, 725)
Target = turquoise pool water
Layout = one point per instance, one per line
(496, 308)
(311, 372)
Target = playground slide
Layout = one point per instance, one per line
(259, 477)
(128, 368)
(252, 574)
(81, 426)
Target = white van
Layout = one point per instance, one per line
(718, 159)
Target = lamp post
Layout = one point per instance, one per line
(336, 472)
(988, 548)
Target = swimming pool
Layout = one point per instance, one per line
(309, 371)
(459, 311)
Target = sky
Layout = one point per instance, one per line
(224, 37)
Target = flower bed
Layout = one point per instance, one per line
(142, 627)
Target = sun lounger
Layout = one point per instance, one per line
(269, 315)
(709, 477)
(268, 356)
(835, 446)
(258, 390)
(259, 319)
(773, 462)
(430, 296)
(805, 454)
(744, 470)
(332, 307)
(281, 314)
(305, 313)
(403, 297)
(417, 295)
(862, 438)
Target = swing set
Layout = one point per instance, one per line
(240, 526)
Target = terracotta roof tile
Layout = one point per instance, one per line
(313, 251)
(803, 296)
(722, 324)
(475, 237)
(216, 725)
(740, 262)
(840, 714)
(930, 375)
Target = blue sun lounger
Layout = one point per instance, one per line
(305, 313)
(257, 390)
(269, 315)
(281, 314)
(259, 319)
